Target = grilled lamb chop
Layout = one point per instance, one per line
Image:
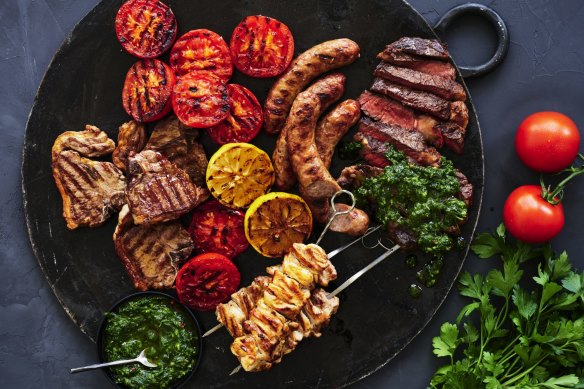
(91, 190)
(441, 86)
(151, 254)
(158, 190)
(411, 143)
(421, 64)
(131, 137)
(389, 111)
(430, 48)
(178, 143)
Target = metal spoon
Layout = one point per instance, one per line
(140, 358)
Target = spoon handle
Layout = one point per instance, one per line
(99, 365)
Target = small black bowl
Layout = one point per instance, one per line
(194, 325)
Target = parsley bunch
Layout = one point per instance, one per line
(523, 338)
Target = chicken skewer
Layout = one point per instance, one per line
(246, 297)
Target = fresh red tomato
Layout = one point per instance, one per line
(145, 28)
(244, 120)
(531, 218)
(219, 229)
(147, 90)
(201, 50)
(200, 99)
(261, 46)
(207, 280)
(547, 141)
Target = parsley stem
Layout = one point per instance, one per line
(510, 381)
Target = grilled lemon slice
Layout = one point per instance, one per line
(238, 173)
(275, 221)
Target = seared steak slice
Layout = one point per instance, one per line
(466, 188)
(131, 137)
(453, 136)
(158, 190)
(421, 101)
(421, 64)
(402, 236)
(419, 46)
(353, 176)
(91, 190)
(153, 254)
(441, 86)
(389, 111)
(409, 142)
(178, 143)
(459, 113)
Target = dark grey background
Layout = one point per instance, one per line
(544, 70)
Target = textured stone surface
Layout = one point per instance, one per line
(543, 71)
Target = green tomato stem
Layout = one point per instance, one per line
(554, 197)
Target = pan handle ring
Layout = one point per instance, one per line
(496, 21)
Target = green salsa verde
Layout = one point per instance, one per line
(162, 327)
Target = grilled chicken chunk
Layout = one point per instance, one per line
(178, 143)
(131, 137)
(151, 255)
(91, 190)
(158, 190)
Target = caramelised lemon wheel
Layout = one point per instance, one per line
(275, 221)
(238, 173)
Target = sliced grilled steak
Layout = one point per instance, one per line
(459, 113)
(421, 64)
(131, 137)
(441, 86)
(389, 111)
(409, 142)
(353, 176)
(422, 101)
(178, 143)
(419, 46)
(158, 190)
(453, 136)
(151, 254)
(466, 189)
(91, 190)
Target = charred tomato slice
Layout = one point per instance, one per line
(145, 28)
(207, 280)
(147, 91)
(244, 120)
(200, 99)
(261, 46)
(219, 229)
(201, 50)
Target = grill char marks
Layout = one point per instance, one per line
(91, 190)
(441, 86)
(158, 190)
(151, 255)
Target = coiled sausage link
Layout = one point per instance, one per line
(328, 89)
(305, 68)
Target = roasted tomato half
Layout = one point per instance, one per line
(147, 91)
(261, 46)
(145, 28)
(201, 50)
(207, 280)
(200, 99)
(244, 120)
(219, 229)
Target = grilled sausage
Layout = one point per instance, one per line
(333, 127)
(314, 178)
(354, 223)
(305, 68)
(328, 90)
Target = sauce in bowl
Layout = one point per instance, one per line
(163, 327)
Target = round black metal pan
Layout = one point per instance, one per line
(377, 317)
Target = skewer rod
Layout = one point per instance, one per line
(363, 271)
